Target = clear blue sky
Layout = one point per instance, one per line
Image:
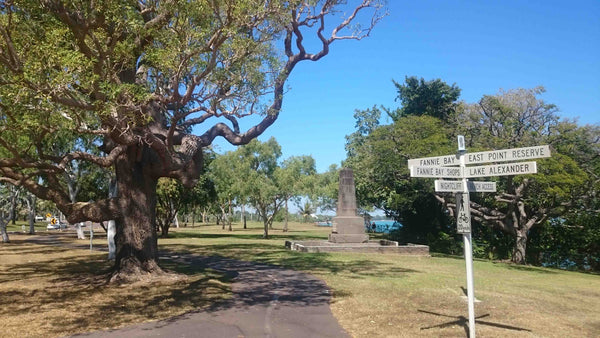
(481, 46)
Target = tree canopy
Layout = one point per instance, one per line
(419, 97)
(564, 190)
(148, 84)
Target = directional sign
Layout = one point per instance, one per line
(475, 186)
(443, 167)
(448, 172)
(515, 154)
(441, 161)
(463, 213)
(508, 169)
(457, 186)
(448, 186)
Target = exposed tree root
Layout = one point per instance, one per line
(132, 270)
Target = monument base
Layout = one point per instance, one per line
(381, 246)
(348, 238)
(352, 225)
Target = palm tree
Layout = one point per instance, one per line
(305, 211)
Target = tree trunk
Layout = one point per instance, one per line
(223, 217)
(229, 216)
(285, 223)
(79, 229)
(266, 232)
(74, 187)
(5, 238)
(262, 212)
(164, 230)
(518, 254)
(3, 223)
(32, 222)
(31, 201)
(13, 209)
(111, 228)
(244, 215)
(136, 238)
(176, 220)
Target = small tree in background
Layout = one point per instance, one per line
(295, 178)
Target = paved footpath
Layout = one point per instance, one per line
(267, 301)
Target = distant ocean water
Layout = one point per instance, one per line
(380, 226)
(386, 226)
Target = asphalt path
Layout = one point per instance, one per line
(267, 301)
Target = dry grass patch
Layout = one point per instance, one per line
(427, 300)
(386, 295)
(374, 295)
(49, 291)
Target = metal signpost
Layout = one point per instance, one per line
(455, 166)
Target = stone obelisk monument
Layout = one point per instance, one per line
(347, 227)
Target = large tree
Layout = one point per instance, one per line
(573, 239)
(564, 188)
(519, 118)
(133, 77)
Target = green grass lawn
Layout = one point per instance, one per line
(374, 295)
(20, 225)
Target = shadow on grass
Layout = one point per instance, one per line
(529, 268)
(277, 255)
(32, 250)
(443, 255)
(70, 294)
(242, 235)
(508, 265)
(457, 257)
(464, 322)
(75, 297)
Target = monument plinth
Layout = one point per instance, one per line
(347, 227)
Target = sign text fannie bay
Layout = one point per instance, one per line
(438, 161)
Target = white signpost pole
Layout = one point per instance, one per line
(444, 167)
(463, 220)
